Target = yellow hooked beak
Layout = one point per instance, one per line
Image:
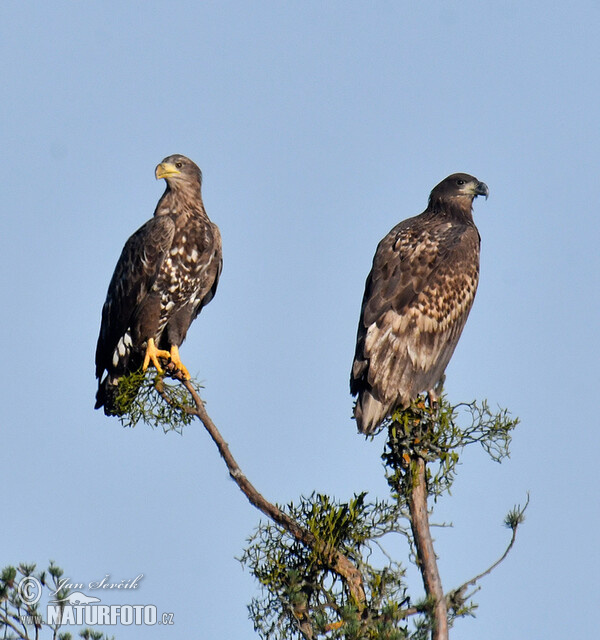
(166, 170)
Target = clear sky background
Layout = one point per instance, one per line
(318, 126)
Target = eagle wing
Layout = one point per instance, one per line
(417, 298)
(134, 275)
(214, 266)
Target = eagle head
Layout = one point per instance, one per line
(177, 169)
(460, 188)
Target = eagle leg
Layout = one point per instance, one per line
(433, 397)
(176, 360)
(152, 356)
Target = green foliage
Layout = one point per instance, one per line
(516, 515)
(302, 596)
(147, 397)
(25, 621)
(437, 436)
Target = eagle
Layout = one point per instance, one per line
(168, 271)
(416, 302)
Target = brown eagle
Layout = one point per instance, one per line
(168, 271)
(416, 302)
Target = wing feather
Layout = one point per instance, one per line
(134, 275)
(213, 268)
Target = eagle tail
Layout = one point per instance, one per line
(115, 398)
(369, 412)
(107, 394)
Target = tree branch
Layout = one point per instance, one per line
(513, 521)
(338, 562)
(8, 623)
(426, 558)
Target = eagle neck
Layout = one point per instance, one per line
(184, 201)
(453, 210)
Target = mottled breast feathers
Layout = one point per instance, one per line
(417, 298)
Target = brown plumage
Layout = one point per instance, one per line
(416, 302)
(168, 271)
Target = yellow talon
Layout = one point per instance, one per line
(152, 356)
(176, 360)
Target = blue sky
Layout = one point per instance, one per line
(318, 126)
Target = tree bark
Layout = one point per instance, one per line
(427, 560)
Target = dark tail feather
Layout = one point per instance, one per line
(106, 396)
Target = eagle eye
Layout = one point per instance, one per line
(179, 165)
(460, 182)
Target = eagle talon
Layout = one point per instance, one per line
(152, 356)
(176, 361)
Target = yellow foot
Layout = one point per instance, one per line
(152, 356)
(176, 360)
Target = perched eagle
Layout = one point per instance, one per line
(416, 302)
(168, 270)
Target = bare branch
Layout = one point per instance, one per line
(339, 562)
(513, 520)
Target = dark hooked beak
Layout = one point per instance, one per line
(482, 190)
